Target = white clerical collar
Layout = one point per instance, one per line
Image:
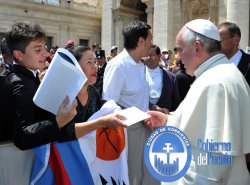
(236, 58)
(154, 80)
(206, 65)
(155, 70)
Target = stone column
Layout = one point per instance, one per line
(107, 25)
(238, 12)
(161, 28)
(184, 12)
(121, 17)
(222, 12)
(213, 13)
(150, 12)
(118, 26)
(167, 20)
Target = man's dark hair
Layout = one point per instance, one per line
(21, 34)
(4, 48)
(157, 49)
(232, 28)
(133, 31)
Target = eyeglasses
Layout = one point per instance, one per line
(226, 38)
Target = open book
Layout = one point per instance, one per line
(64, 77)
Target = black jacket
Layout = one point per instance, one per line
(32, 126)
(244, 66)
(184, 82)
(169, 95)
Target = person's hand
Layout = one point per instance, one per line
(163, 110)
(157, 119)
(113, 120)
(157, 108)
(65, 114)
(42, 74)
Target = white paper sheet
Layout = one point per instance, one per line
(133, 115)
(64, 77)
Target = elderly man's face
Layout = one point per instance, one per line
(186, 52)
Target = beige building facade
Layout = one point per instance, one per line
(79, 20)
(101, 21)
(167, 17)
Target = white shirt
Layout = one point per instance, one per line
(236, 58)
(154, 80)
(217, 108)
(125, 83)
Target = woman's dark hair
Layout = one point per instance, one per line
(78, 51)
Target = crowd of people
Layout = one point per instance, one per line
(204, 85)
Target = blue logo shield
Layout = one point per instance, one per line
(167, 154)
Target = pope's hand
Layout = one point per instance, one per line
(157, 119)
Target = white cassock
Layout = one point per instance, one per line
(217, 108)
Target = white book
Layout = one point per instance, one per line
(63, 77)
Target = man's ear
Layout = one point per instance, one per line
(141, 41)
(198, 45)
(18, 55)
